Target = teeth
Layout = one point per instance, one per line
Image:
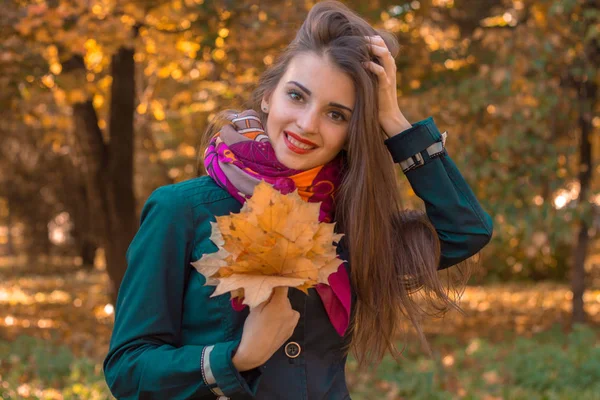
(299, 144)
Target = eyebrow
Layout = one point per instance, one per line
(303, 88)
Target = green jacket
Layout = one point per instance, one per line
(172, 341)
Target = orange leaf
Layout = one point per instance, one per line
(276, 240)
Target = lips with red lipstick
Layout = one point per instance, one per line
(297, 144)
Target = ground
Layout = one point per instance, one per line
(64, 304)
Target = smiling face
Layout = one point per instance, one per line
(309, 112)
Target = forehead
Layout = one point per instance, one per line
(322, 77)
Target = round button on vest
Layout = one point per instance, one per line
(292, 350)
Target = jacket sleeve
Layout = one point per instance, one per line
(146, 359)
(462, 225)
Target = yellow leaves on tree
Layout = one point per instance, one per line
(275, 240)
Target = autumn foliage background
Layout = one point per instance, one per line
(101, 101)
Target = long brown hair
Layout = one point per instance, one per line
(394, 254)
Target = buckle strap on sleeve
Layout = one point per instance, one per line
(416, 160)
(207, 374)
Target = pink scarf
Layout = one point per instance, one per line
(241, 155)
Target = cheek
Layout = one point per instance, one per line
(278, 116)
(284, 113)
(337, 139)
(271, 125)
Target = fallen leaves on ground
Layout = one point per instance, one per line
(72, 308)
(65, 304)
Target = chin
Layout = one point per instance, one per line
(291, 160)
(295, 164)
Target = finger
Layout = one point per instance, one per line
(376, 39)
(290, 331)
(260, 307)
(271, 297)
(385, 56)
(296, 317)
(280, 293)
(380, 51)
(375, 68)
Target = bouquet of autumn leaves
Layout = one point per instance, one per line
(275, 240)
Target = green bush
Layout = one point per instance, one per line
(36, 369)
(548, 366)
(568, 364)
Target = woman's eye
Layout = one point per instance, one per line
(337, 116)
(295, 95)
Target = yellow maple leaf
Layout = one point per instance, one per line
(275, 240)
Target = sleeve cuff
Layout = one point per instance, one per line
(414, 140)
(221, 376)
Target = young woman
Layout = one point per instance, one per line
(325, 120)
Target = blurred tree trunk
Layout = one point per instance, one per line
(85, 246)
(587, 95)
(122, 219)
(587, 89)
(87, 251)
(10, 250)
(86, 243)
(108, 167)
(94, 156)
(77, 204)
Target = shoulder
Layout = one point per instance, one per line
(199, 190)
(190, 199)
(189, 193)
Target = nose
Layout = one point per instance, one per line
(308, 121)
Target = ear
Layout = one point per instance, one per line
(264, 104)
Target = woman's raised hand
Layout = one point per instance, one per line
(266, 329)
(391, 118)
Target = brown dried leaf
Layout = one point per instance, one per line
(276, 240)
